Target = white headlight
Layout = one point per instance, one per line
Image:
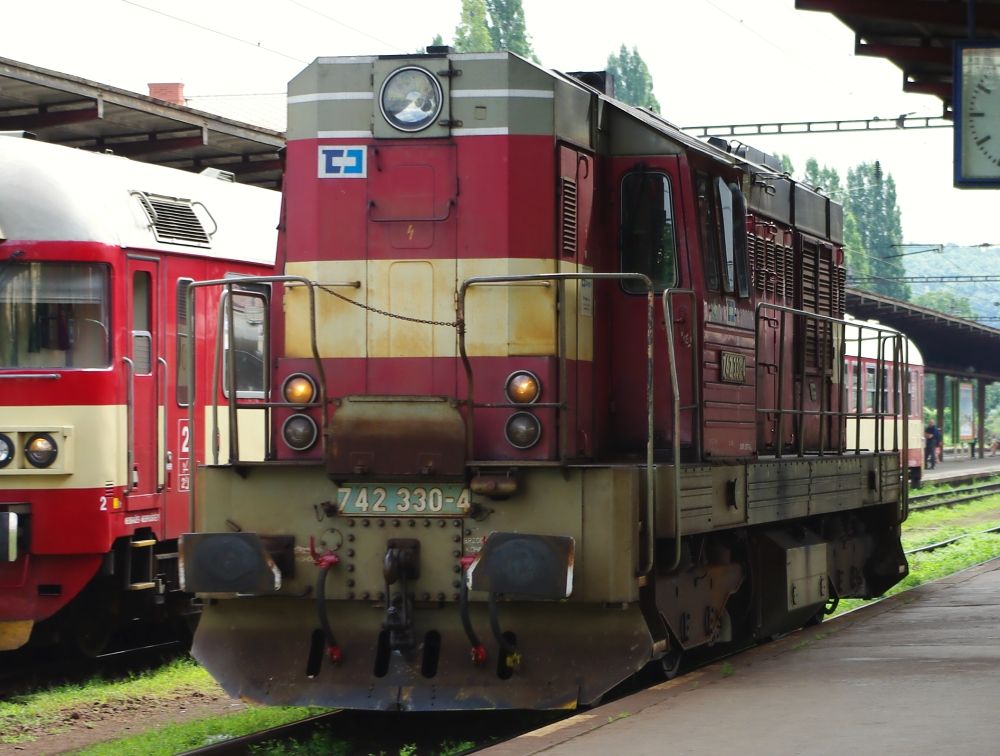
(411, 99)
(6, 450)
(41, 450)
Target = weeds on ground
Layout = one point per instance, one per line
(186, 736)
(23, 716)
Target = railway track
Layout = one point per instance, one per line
(393, 732)
(950, 498)
(950, 541)
(33, 669)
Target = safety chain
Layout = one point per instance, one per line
(449, 324)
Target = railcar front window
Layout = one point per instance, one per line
(648, 243)
(54, 315)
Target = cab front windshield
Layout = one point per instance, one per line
(54, 315)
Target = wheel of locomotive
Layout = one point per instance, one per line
(670, 662)
(89, 626)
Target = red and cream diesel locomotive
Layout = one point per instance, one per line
(96, 253)
(557, 392)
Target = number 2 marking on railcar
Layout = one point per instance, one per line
(104, 504)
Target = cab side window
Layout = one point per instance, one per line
(722, 221)
(709, 227)
(647, 240)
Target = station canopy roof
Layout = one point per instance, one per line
(916, 35)
(950, 345)
(68, 110)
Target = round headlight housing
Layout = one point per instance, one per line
(41, 450)
(523, 387)
(522, 430)
(411, 98)
(299, 432)
(299, 389)
(6, 450)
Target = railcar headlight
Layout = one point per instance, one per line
(299, 388)
(522, 430)
(41, 450)
(299, 432)
(523, 387)
(6, 450)
(411, 98)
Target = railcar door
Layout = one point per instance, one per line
(179, 449)
(143, 370)
(652, 239)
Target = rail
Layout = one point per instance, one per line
(560, 280)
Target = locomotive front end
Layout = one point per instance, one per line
(415, 540)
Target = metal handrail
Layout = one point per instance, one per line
(129, 424)
(883, 336)
(229, 283)
(560, 279)
(668, 317)
(161, 450)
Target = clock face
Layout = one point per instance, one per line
(979, 114)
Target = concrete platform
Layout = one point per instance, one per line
(956, 464)
(918, 673)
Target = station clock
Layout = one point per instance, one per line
(977, 114)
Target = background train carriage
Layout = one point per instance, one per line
(873, 390)
(557, 391)
(96, 455)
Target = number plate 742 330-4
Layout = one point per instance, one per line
(449, 499)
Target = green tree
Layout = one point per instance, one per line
(827, 180)
(947, 302)
(633, 82)
(854, 248)
(472, 33)
(507, 28)
(871, 198)
(786, 163)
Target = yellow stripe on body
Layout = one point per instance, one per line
(253, 434)
(502, 320)
(91, 453)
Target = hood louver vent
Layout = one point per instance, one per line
(174, 221)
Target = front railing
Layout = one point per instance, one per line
(226, 319)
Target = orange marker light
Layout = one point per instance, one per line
(299, 389)
(523, 387)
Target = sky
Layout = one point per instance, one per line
(712, 62)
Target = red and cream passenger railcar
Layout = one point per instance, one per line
(96, 253)
(874, 389)
(557, 392)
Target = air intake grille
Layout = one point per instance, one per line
(569, 217)
(174, 220)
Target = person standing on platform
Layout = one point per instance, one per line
(932, 434)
